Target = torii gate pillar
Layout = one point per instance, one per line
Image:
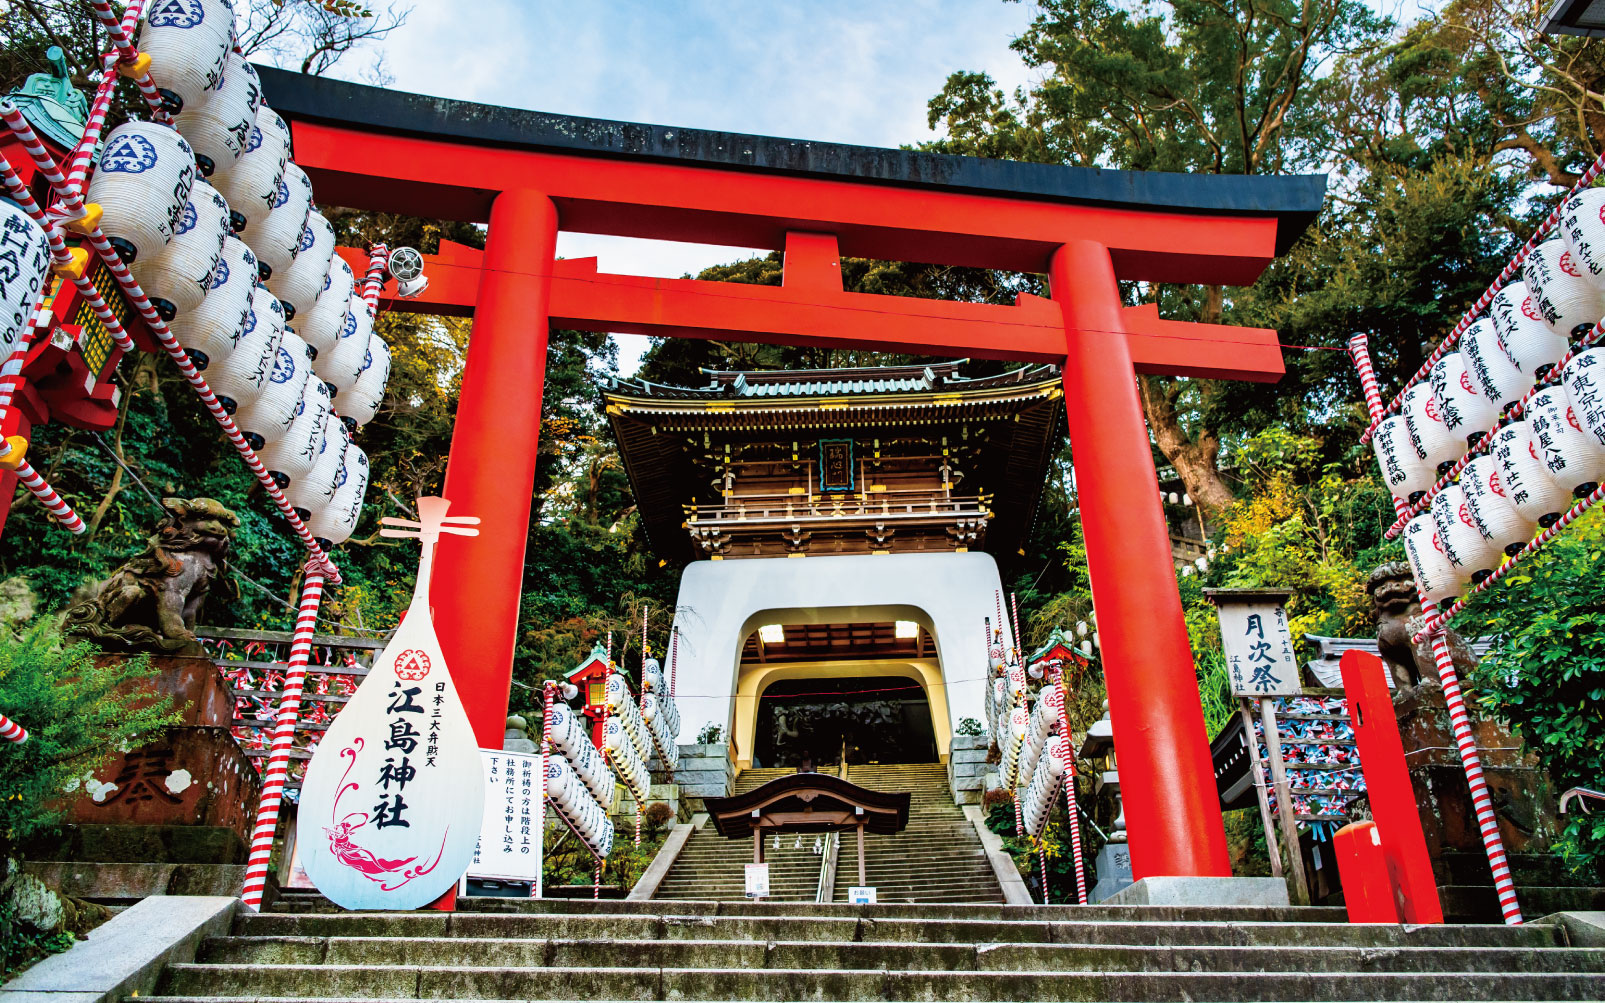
(1167, 779)
(491, 472)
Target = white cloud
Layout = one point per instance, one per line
(843, 71)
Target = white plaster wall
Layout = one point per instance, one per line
(721, 602)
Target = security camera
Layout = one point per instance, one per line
(407, 265)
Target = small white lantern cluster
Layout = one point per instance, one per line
(1047, 779)
(625, 735)
(1537, 465)
(568, 791)
(296, 361)
(570, 741)
(660, 713)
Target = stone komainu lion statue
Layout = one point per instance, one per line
(151, 603)
(1392, 589)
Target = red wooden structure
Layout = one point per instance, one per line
(529, 174)
(590, 676)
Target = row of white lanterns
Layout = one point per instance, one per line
(243, 268)
(1537, 465)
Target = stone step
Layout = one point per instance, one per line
(454, 982)
(573, 953)
(890, 924)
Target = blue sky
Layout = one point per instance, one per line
(852, 72)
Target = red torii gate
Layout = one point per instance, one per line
(529, 174)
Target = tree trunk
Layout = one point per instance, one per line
(1193, 458)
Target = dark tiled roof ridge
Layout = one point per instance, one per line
(831, 382)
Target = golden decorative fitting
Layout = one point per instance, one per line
(86, 224)
(76, 265)
(136, 67)
(16, 452)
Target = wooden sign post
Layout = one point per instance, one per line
(1261, 666)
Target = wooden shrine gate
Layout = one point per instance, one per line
(530, 174)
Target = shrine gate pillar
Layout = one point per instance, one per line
(1167, 779)
(491, 470)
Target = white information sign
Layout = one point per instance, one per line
(509, 845)
(1259, 649)
(757, 881)
(392, 802)
(860, 895)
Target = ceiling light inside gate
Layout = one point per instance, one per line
(772, 633)
(907, 629)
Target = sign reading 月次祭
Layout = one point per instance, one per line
(1259, 650)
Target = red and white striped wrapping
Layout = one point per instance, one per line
(11, 731)
(278, 764)
(378, 261)
(49, 499)
(1458, 719)
(118, 31)
(1073, 807)
(1481, 304)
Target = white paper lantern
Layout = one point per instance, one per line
(251, 182)
(361, 402)
(269, 415)
(1472, 554)
(24, 264)
(276, 237)
(292, 455)
(210, 331)
(342, 364)
(1496, 377)
(187, 41)
(322, 326)
(1582, 226)
(1433, 442)
(1501, 524)
(142, 184)
(315, 489)
(1465, 410)
(333, 524)
(1436, 578)
(1570, 304)
(1526, 481)
(1403, 469)
(298, 286)
(1584, 379)
(240, 377)
(176, 278)
(220, 126)
(1572, 457)
(1528, 342)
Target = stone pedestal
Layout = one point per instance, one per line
(705, 771)
(967, 769)
(192, 774)
(1523, 795)
(1113, 867)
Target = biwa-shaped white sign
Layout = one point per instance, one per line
(394, 796)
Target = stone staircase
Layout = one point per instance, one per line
(937, 858)
(598, 951)
(712, 867)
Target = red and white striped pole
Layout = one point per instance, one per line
(11, 731)
(278, 764)
(1073, 804)
(130, 63)
(1459, 721)
(47, 496)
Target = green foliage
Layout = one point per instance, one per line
(711, 734)
(1546, 677)
(970, 726)
(21, 946)
(77, 714)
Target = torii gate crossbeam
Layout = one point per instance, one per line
(529, 174)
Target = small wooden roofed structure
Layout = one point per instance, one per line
(660, 431)
(809, 802)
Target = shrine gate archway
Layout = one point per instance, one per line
(530, 174)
